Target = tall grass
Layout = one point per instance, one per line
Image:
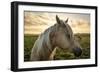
(29, 41)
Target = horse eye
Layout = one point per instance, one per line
(68, 35)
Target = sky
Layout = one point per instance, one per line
(37, 22)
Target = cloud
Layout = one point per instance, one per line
(80, 26)
(37, 22)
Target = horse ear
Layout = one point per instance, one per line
(57, 19)
(66, 20)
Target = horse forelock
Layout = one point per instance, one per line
(69, 30)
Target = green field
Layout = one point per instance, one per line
(84, 41)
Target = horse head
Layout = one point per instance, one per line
(63, 37)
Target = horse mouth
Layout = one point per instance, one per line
(77, 52)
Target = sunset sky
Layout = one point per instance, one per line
(37, 22)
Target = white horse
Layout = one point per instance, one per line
(59, 35)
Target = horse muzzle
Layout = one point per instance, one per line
(77, 51)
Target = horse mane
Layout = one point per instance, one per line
(51, 28)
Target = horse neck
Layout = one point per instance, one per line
(49, 40)
(54, 30)
(48, 44)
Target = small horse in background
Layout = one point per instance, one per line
(59, 35)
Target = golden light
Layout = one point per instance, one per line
(37, 22)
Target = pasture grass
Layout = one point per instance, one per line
(84, 40)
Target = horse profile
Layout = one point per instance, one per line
(59, 35)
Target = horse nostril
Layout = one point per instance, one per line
(77, 52)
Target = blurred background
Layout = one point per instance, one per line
(37, 22)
